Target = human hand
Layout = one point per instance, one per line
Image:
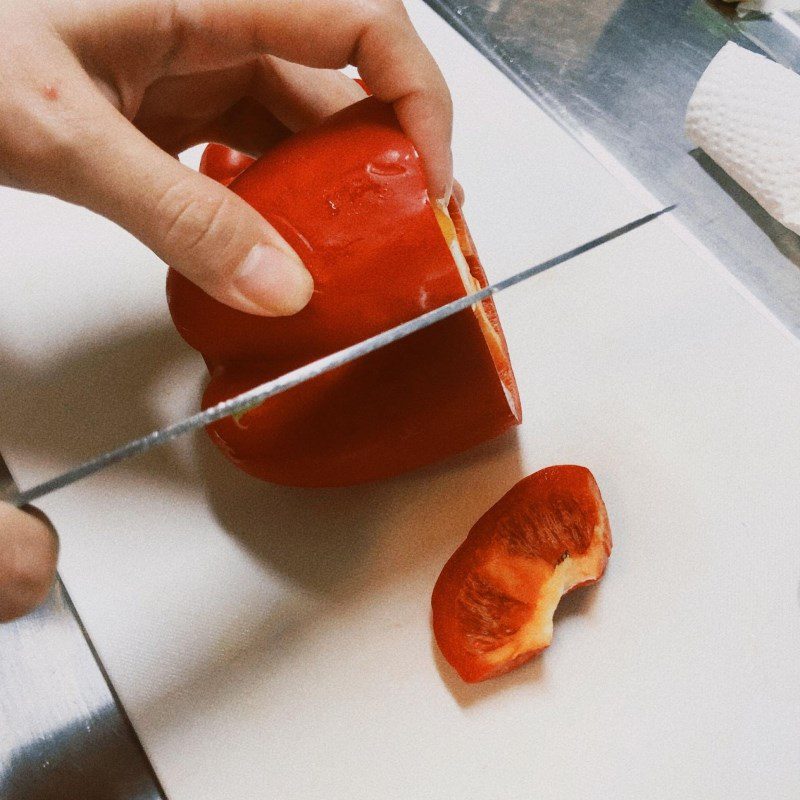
(99, 95)
(28, 553)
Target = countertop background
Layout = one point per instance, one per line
(616, 75)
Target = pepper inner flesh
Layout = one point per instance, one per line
(470, 282)
(471, 285)
(537, 633)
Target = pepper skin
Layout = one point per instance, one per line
(223, 164)
(349, 196)
(494, 600)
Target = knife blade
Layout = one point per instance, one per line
(254, 397)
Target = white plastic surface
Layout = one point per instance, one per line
(745, 113)
(272, 642)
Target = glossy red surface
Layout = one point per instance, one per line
(223, 164)
(350, 197)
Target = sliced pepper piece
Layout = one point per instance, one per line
(494, 600)
(350, 197)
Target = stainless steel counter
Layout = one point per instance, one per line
(617, 74)
(63, 735)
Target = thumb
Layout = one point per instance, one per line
(197, 226)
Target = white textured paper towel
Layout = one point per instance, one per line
(766, 6)
(745, 113)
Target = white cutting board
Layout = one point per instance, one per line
(271, 642)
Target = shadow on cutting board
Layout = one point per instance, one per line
(577, 603)
(327, 540)
(94, 396)
(340, 546)
(785, 240)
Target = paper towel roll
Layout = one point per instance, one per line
(745, 113)
(765, 6)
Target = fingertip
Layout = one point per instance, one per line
(399, 69)
(448, 191)
(28, 559)
(458, 192)
(431, 136)
(46, 526)
(440, 178)
(270, 281)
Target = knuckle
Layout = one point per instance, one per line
(169, 26)
(380, 13)
(189, 217)
(197, 230)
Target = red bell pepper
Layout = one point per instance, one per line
(350, 197)
(223, 164)
(494, 601)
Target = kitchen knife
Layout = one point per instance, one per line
(250, 399)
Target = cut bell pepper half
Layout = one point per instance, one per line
(350, 197)
(494, 600)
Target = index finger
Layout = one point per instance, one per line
(398, 69)
(379, 40)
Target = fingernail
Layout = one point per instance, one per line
(449, 193)
(273, 281)
(444, 200)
